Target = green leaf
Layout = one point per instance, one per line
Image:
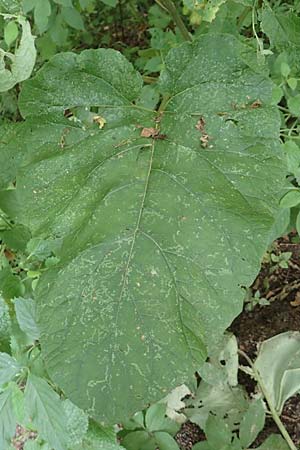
(298, 223)
(274, 442)
(11, 32)
(252, 423)
(42, 12)
(149, 97)
(290, 199)
(58, 31)
(202, 446)
(9, 368)
(283, 30)
(294, 105)
(22, 62)
(45, 410)
(111, 3)
(77, 423)
(16, 237)
(5, 325)
(26, 316)
(29, 5)
(7, 418)
(9, 157)
(36, 445)
(285, 69)
(165, 441)
(155, 417)
(217, 432)
(138, 439)
(183, 215)
(292, 152)
(10, 6)
(18, 402)
(292, 82)
(67, 3)
(277, 95)
(281, 376)
(98, 438)
(225, 402)
(73, 18)
(10, 284)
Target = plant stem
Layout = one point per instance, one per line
(163, 104)
(265, 393)
(172, 10)
(149, 80)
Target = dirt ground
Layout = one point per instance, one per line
(281, 286)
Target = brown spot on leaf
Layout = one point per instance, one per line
(200, 126)
(152, 133)
(256, 104)
(149, 132)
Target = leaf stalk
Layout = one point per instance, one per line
(172, 10)
(265, 393)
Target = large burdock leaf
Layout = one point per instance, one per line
(163, 215)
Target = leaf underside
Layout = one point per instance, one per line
(159, 232)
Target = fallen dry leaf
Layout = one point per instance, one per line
(149, 132)
(100, 121)
(296, 302)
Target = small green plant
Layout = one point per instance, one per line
(253, 300)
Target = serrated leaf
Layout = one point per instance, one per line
(22, 62)
(281, 376)
(5, 320)
(16, 237)
(283, 30)
(26, 316)
(7, 418)
(44, 409)
(77, 423)
(98, 438)
(18, 402)
(10, 284)
(183, 215)
(252, 423)
(9, 368)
